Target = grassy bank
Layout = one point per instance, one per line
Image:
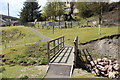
(17, 36)
(29, 55)
(23, 71)
(84, 34)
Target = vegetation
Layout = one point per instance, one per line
(26, 55)
(94, 9)
(30, 12)
(54, 9)
(18, 55)
(22, 72)
(84, 34)
(13, 36)
(2, 69)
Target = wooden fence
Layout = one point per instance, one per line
(75, 50)
(54, 46)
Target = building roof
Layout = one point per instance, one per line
(4, 19)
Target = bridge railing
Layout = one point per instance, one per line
(75, 50)
(54, 46)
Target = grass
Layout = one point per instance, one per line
(90, 78)
(35, 53)
(28, 53)
(84, 34)
(11, 52)
(16, 71)
(83, 74)
(38, 51)
(17, 35)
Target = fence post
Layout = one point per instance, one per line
(53, 29)
(58, 44)
(75, 50)
(63, 42)
(71, 24)
(54, 46)
(48, 45)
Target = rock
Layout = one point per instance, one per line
(110, 68)
(111, 75)
(92, 63)
(105, 59)
(116, 67)
(99, 60)
(110, 62)
(97, 72)
(105, 67)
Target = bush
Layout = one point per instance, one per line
(30, 61)
(2, 69)
(24, 77)
(4, 78)
(12, 65)
(43, 61)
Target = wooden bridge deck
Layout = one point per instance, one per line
(61, 59)
(61, 65)
(65, 56)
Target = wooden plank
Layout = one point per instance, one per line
(69, 55)
(75, 50)
(63, 41)
(48, 45)
(63, 55)
(56, 39)
(57, 55)
(58, 44)
(55, 46)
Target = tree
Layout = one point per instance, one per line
(84, 9)
(98, 8)
(54, 9)
(30, 12)
(44, 16)
(88, 9)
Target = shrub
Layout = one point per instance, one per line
(2, 69)
(30, 61)
(24, 77)
(12, 65)
(43, 61)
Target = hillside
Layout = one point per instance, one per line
(111, 18)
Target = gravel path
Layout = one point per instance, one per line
(38, 33)
(45, 38)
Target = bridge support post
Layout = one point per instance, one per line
(75, 50)
(48, 46)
